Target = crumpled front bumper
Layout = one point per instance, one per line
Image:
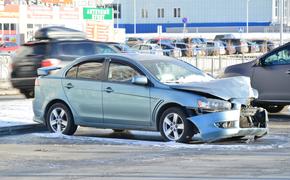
(206, 124)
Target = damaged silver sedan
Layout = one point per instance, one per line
(146, 92)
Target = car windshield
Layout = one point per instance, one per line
(175, 71)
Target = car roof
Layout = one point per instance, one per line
(57, 40)
(131, 56)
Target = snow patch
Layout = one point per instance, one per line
(269, 142)
(16, 112)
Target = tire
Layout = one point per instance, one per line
(118, 130)
(28, 93)
(273, 108)
(174, 126)
(63, 123)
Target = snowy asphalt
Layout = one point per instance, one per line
(102, 154)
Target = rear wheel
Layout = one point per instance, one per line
(28, 93)
(273, 108)
(174, 126)
(118, 130)
(59, 119)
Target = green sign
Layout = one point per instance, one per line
(98, 14)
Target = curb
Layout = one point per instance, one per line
(21, 129)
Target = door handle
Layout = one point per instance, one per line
(109, 90)
(69, 86)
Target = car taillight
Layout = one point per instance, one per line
(36, 82)
(50, 62)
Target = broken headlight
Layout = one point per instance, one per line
(213, 104)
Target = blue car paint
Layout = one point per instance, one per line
(160, 95)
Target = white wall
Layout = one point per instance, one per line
(199, 11)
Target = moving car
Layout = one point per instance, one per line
(53, 46)
(146, 92)
(270, 75)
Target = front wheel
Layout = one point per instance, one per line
(175, 127)
(59, 119)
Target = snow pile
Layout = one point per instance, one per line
(16, 112)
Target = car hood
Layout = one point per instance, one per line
(227, 88)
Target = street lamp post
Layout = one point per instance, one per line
(118, 2)
(247, 28)
(134, 16)
(281, 14)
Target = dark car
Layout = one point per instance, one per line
(170, 50)
(270, 75)
(51, 49)
(185, 49)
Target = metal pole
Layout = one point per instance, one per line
(134, 16)
(118, 2)
(281, 21)
(247, 16)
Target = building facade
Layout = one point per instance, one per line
(200, 15)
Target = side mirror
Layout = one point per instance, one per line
(140, 80)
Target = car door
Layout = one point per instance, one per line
(83, 89)
(271, 77)
(124, 102)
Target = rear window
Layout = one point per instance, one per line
(77, 48)
(33, 49)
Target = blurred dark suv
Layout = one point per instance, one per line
(54, 46)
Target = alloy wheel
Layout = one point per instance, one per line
(173, 126)
(58, 120)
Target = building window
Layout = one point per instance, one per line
(144, 13)
(160, 12)
(13, 27)
(176, 13)
(6, 27)
(117, 11)
(29, 26)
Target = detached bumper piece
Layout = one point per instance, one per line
(247, 121)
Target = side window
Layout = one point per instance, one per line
(72, 73)
(121, 73)
(278, 57)
(100, 48)
(89, 70)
